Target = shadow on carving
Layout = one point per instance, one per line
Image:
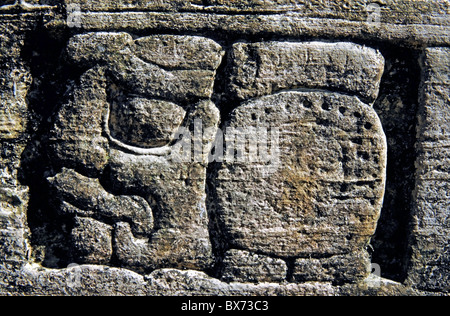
(397, 107)
(55, 81)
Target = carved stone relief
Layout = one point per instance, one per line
(231, 148)
(122, 124)
(317, 192)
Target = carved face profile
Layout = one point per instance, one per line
(121, 125)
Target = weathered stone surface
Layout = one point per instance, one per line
(76, 140)
(344, 268)
(177, 85)
(27, 6)
(197, 283)
(392, 11)
(88, 198)
(14, 245)
(168, 247)
(103, 160)
(243, 266)
(188, 79)
(376, 286)
(182, 52)
(99, 280)
(428, 268)
(96, 47)
(145, 123)
(285, 25)
(13, 93)
(178, 191)
(259, 69)
(325, 194)
(15, 81)
(146, 144)
(92, 241)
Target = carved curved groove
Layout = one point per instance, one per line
(161, 151)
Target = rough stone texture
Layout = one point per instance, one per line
(324, 194)
(393, 11)
(77, 195)
(29, 5)
(343, 268)
(265, 68)
(430, 260)
(182, 52)
(178, 191)
(145, 123)
(76, 139)
(92, 241)
(285, 25)
(14, 232)
(103, 162)
(99, 280)
(137, 72)
(15, 83)
(242, 266)
(104, 112)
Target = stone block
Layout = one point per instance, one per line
(343, 268)
(321, 194)
(428, 268)
(91, 241)
(259, 69)
(246, 267)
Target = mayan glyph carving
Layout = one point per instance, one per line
(221, 147)
(120, 126)
(315, 191)
(326, 196)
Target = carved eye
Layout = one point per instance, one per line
(145, 123)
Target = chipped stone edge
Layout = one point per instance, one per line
(95, 280)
